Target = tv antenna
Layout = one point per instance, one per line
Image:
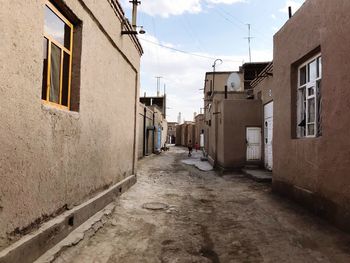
(249, 42)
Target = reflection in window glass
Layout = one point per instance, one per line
(55, 74)
(56, 28)
(319, 67)
(319, 108)
(311, 110)
(45, 63)
(302, 76)
(312, 70)
(311, 129)
(311, 91)
(65, 79)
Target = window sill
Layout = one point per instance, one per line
(51, 108)
(307, 138)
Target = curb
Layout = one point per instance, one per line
(32, 246)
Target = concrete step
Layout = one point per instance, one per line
(259, 175)
(252, 167)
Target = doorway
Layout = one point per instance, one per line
(268, 135)
(253, 140)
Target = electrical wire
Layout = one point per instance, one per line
(185, 52)
(240, 22)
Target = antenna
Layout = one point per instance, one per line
(249, 40)
(158, 84)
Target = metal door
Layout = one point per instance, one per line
(268, 135)
(253, 139)
(159, 139)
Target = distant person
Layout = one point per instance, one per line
(189, 146)
(196, 146)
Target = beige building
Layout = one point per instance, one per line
(69, 101)
(199, 129)
(152, 130)
(178, 139)
(232, 118)
(171, 136)
(263, 91)
(311, 109)
(187, 133)
(145, 131)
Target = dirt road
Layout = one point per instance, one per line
(207, 218)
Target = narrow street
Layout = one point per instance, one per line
(207, 218)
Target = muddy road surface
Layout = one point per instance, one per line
(176, 213)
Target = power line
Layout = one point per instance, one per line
(242, 23)
(185, 52)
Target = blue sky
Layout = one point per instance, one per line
(208, 29)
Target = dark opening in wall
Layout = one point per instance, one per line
(71, 221)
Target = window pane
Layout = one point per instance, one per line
(301, 117)
(319, 67)
(56, 28)
(319, 109)
(55, 73)
(45, 62)
(65, 78)
(302, 74)
(312, 70)
(311, 110)
(311, 91)
(311, 129)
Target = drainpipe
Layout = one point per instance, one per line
(153, 137)
(216, 134)
(144, 131)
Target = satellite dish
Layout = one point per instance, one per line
(234, 82)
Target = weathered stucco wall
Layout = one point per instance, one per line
(178, 138)
(220, 79)
(315, 170)
(263, 92)
(199, 126)
(265, 87)
(145, 121)
(52, 159)
(237, 115)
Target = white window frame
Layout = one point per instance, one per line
(310, 85)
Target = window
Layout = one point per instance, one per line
(57, 68)
(309, 98)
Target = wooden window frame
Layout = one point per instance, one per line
(306, 86)
(64, 50)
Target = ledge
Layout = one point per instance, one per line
(32, 246)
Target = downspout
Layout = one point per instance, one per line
(135, 123)
(153, 137)
(144, 131)
(216, 134)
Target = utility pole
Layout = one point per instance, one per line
(249, 41)
(158, 84)
(135, 3)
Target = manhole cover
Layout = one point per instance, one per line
(155, 206)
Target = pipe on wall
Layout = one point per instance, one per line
(144, 131)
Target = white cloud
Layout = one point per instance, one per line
(183, 74)
(227, 2)
(166, 8)
(293, 3)
(273, 16)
